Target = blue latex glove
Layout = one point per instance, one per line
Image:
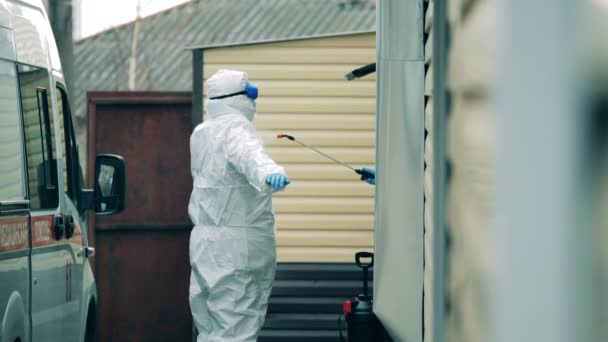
(370, 170)
(277, 181)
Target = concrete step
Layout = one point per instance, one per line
(282, 321)
(291, 271)
(318, 288)
(299, 336)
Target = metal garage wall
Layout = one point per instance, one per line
(327, 214)
(471, 149)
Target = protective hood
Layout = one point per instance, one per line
(226, 82)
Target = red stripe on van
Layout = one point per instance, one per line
(13, 234)
(43, 231)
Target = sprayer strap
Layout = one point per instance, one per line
(229, 95)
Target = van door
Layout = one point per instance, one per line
(74, 224)
(14, 219)
(51, 256)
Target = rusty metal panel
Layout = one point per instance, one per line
(142, 263)
(142, 279)
(153, 137)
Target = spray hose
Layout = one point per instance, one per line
(364, 174)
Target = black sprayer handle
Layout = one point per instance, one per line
(365, 267)
(364, 255)
(360, 72)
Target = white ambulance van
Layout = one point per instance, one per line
(47, 289)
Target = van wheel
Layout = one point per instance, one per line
(89, 335)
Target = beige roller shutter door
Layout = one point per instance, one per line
(327, 214)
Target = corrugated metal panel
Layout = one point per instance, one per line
(363, 155)
(328, 188)
(304, 105)
(350, 222)
(325, 205)
(292, 55)
(352, 41)
(326, 215)
(471, 148)
(323, 138)
(316, 72)
(321, 122)
(324, 238)
(314, 88)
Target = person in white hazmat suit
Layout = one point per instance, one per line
(232, 246)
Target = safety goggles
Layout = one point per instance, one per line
(251, 90)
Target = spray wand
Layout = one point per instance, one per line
(364, 174)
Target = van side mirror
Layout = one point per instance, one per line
(110, 181)
(108, 195)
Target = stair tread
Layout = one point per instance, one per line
(320, 271)
(301, 316)
(308, 300)
(299, 332)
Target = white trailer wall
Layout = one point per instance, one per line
(398, 277)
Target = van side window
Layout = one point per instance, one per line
(71, 165)
(36, 105)
(12, 180)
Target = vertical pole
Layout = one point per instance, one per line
(197, 87)
(197, 113)
(134, 41)
(440, 32)
(61, 17)
(365, 285)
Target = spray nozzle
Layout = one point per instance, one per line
(280, 136)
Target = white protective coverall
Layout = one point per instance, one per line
(232, 246)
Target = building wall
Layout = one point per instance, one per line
(327, 213)
(470, 150)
